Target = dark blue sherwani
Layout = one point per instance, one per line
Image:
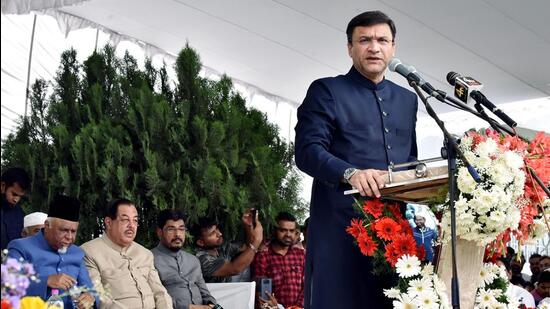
(347, 121)
(46, 262)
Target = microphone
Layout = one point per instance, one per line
(411, 75)
(466, 87)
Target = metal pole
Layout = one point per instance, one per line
(27, 90)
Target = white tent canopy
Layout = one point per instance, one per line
(274, 49)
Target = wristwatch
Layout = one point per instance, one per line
(348, 173)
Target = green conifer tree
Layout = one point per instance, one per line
(112, 130)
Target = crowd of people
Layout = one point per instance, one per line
(128, 275)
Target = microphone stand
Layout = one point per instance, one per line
(450, 151)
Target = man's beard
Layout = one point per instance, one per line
(175, 248)
(62, 250)
(282, 243)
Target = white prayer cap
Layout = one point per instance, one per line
(35, 218)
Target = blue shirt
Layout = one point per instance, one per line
(426, 237)
(47, 261)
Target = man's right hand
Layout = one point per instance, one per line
(200, 306)
(61, 281)
(368, 182)
(254, 235)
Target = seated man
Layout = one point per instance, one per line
(15, 183)
(283, 263)
(179, 271)
(219, 265)
(123, 267)
(57, 262)
(33, 223)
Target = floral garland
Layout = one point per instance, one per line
(492, 289)
(383, 234)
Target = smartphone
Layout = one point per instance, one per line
(264, 285)
(253, 212)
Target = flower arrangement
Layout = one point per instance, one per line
(492, 288)
(16, 277)
(507, 200)
(419, 286)
(383, 234)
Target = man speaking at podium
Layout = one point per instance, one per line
(350, 128)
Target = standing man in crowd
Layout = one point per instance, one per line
(123, 267)
(33, 223)
(57, 262)
(350, 128)
(15, 183)
(283, 263)
(424, 236)
(219, 264)
(179, 271)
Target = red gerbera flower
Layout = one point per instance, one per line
(367, 245)
(405, 226)
(386, 228)
(356, 228)
(373, 207)
(404, 244)
(421, 252)
(391, 254)
(395, 211)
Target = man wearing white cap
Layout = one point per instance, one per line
(33, 223)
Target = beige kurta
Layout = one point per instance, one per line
(128, 275)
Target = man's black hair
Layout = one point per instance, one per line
(544, 277)
(112, 207)
(367, 19)
(285, 216)
(169, 214)
(202, 224)
(535, 255)
(16, 175)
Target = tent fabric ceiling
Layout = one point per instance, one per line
(281, 46)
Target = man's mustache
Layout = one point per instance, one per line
(177, 239)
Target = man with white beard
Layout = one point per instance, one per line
(123, 267)
(57, 262)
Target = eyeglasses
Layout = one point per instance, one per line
(173, 230)
(383, 41)
(127, 221)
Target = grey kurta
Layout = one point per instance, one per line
(180, 272)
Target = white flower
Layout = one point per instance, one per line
(486, 148)
(392, 293)
(404, 302)
(427, 300)
(419, 286)
(465, 181)
(486, 277)
(408, 266)
(485, 299)
(427, 270)
(513, 159)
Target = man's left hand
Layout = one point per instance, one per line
(85, 301)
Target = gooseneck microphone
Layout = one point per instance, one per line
(466, 87)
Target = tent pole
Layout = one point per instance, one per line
(96, 39)
(29, 66)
